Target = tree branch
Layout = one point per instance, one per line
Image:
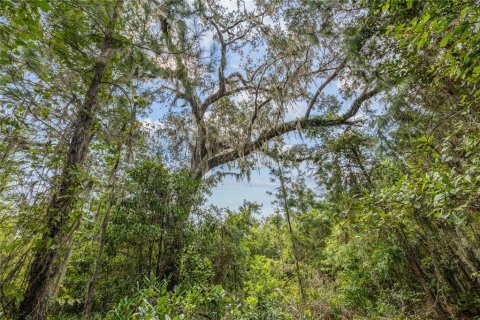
(279, 130)
(322, 86)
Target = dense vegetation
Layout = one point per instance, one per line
(118, 116)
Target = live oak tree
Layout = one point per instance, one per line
(233, 97)
(233, 82)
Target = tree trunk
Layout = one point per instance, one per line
(51, 253)
(174, 238)
(292, 236)
(414, 263)
(87, 304)
(172, 266)
(171, 254)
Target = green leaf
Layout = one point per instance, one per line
(44, 113)
(49, 243)
(43, 5)
(423, 139)
(426, 17)
(445, 40)
(464, 12)
(423, 40)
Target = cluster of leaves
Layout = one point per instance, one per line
(154, 301)
(442, 33)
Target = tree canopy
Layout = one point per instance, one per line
(118, 116)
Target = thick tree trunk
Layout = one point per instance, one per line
(50, 255)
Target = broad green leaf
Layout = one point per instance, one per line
(445, 40)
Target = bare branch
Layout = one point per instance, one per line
(322, 86)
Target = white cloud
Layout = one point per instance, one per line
(241, 97)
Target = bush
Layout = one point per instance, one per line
(155, 302)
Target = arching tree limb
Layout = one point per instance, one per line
(281, 129)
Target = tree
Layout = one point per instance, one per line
(234, 108)
(220, 114)
(47, 258)
(55, 88)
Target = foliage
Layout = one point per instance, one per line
(155, 302)
(116, 116)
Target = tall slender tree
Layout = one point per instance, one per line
(52, 249)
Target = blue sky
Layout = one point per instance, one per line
(231, 193)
